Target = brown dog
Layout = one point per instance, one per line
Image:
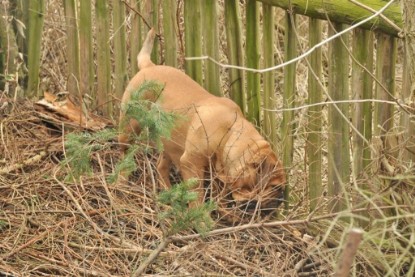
(213, 133)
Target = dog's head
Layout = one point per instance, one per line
(257, 180)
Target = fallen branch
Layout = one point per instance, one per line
(156, 252)
(306, 221)
(30, 161)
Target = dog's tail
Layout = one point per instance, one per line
(143, 58)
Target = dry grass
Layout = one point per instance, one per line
(54, 225)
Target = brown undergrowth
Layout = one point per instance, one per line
(52, 225)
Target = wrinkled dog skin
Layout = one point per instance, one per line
(213, 132)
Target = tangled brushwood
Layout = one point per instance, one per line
(54, 222)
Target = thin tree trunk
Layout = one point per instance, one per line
(170, 32)
(338, 141)
(385, 73)
(211, 46)
(315, 117)
(86, 50)
(9, 58)
(287, 125)
(362, 84)
(35, 26)
(408, 88)
(120, 51)
(193, 39)
(235, 53)
(72, 47)
(156, 55)
(252, 61)
(103, 57)
(270, 127)
(135, 37)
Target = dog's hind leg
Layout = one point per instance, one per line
(163, 168)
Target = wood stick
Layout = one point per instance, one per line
(349, 252)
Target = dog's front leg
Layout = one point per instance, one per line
(193, 166)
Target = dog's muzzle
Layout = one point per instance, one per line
(264, 207)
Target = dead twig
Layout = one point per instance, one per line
(155, 253)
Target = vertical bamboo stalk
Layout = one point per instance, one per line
(169, 31)
(72, 54)
(252, 61)
(9, 69)
(86, 50)
(103, 57)
(315, 117)
(234, 52)
(154, 14)
(338, 141)
(287, 128)
(211, 45)
(193, 39)
(361, 86)
(385, 73)
(20, 10)
(269, 77)
(408, 97)
(120, 51)
(408, 85)
(35, 26)
(135, 37)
